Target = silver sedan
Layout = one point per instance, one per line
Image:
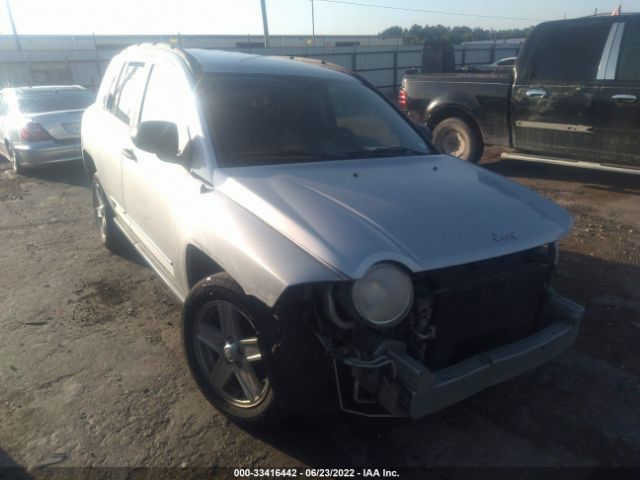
(41, 125)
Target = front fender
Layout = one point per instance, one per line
(260, 259)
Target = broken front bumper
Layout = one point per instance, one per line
(419, 391)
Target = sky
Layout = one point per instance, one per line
(286, 17)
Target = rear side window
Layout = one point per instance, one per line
(629, 59)
(130, 90)
(106, 95)
(572, 53)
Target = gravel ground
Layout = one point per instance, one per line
(92, 374)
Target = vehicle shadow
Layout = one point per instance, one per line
(594, 179)
(10, 469)
(542, 418)
(71, 173)
(127, 251)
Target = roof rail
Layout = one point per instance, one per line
(189, 61)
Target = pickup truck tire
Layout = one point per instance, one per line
(457, 137)
(108, 231)
(225, 351)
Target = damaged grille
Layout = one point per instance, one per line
(499, 301)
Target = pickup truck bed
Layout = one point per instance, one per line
(482, 96)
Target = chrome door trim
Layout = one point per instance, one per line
(609, 60)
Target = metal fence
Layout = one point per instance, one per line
(482, 53)
(41, 60)
(82, 60)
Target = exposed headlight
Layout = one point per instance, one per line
(383, 296)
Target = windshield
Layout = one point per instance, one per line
(55, 100)
(263, 119)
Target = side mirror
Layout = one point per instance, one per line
(157, 137)
(425, 131)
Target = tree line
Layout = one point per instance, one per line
(418, 34)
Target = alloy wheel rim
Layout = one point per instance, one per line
(454, 144)
(228, 354)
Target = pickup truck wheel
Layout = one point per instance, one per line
(221, 342)
(456, 137)
(107, 229)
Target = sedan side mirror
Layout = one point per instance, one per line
(425, 131)
(157, 137)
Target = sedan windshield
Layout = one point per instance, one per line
(55, 100)
(272, 119)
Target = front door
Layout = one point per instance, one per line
(553, 106)
(155, 190)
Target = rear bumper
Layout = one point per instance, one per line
(419, 391)
(42, 153)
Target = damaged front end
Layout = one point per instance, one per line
(408, 350)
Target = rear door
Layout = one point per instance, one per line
(124, 109)
(617, 106)
(553, 105)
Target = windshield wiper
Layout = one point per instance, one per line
(289, 153)
(386, 150)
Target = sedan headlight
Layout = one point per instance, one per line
(383, 296)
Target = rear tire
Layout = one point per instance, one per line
(15, 161)
(110, 237)
(457, 137)
(221, 334)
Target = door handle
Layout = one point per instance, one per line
(625, 98)
(128, 152)
(537, 93)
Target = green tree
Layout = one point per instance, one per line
(395, 30)
(418, 34)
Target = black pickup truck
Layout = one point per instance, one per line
(572, 98)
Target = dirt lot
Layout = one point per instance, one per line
(91, 368)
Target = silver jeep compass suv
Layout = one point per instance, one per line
(327, 256)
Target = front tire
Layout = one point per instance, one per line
(222, 342)
(458, 138)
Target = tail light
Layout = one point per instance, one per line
(33, 132)
(402, 98)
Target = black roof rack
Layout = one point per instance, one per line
(191, 63)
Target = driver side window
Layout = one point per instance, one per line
(167, 99)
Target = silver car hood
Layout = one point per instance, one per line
(424, 212)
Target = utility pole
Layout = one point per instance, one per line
(313, 26)
(13, 25)
(265, 23)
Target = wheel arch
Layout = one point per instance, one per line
(89, 164)
(199, 265)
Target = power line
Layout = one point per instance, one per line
(428, 11)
